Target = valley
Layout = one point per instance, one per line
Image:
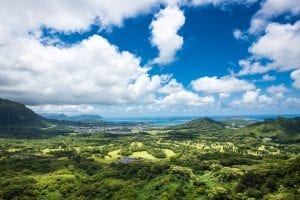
(200, 159)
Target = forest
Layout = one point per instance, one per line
(174, 163)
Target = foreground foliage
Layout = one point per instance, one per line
(145, 166)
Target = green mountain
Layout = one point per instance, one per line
(194, 128)
(17, 114)
(284, 129)
(290, 126)
(201, 123)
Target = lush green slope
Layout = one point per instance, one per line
(16, 120)
(283, 130)
(290, 126)
(16, 114)
(202, 124)
(195, 128)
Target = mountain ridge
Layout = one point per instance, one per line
(16, 114)
(75, 118)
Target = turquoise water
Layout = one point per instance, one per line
(174, 120)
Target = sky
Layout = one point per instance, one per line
(151, 57)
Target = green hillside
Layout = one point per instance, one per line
(290, 126)
(195, 128)
(17, 114)
(280, 129)
(202, 124)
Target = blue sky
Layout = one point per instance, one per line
(152, 57)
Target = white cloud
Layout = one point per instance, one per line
(222, 3)
(279, 45)
(224, 85)
(271, 9)
(249, 66)
(171, 87)
(296, 77)
(277, 90)
(69, 15)
(250, 96)
(93, 71)
(253, 98)
(67, 109)
(176, 94)
(164, 30)
(184, 97)
(268, 77)
(265, 100)
(239, 35)
(293, 101)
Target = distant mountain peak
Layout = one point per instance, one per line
(16, 114)
(204, 122)
(74, 118)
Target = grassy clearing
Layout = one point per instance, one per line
(169, 153)
(136, 144)
(109, 158)
(157, 132)
(144, 155)
(47, 150)
(12, 150)
(114, 154)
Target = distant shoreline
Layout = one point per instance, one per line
(174, 120)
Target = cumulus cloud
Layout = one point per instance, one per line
(253, 98)
(93, 71)
(250, 96)
(172, 86)
(68, 109)
(239, 35)
(178, 95)
(184, 97)
(279, 45)
(276, 46)
(222, 3)
(271, 9)
(273, 98)
(70, 15)
(296, 77)
(224, 85)
(277, 90)
(268, 77)
(250, 66)
(164, 29)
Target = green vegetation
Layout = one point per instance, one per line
(16, 114)
(202, 159)
(92, 167)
